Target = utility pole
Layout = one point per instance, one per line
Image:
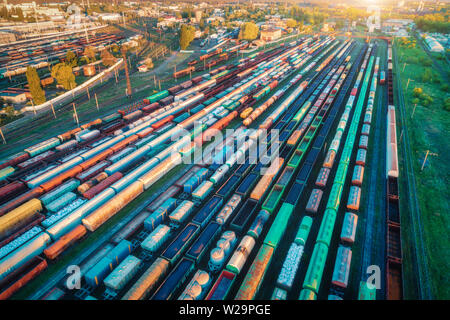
(414, 110)
(96, 100)
(426, 156)
(53, 110)
(127, 74)
(75, 113)
(3, 137)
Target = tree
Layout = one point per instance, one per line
(34, 84)
(291, 23)
(447, 104)
(89, 53)
(107, 58)
(71, 59)
(187, 34)
(64, 76)
(249, 31)
(417, 92)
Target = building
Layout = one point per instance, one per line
(395, 24)
(7, 37)
(433, 45)
(15, 95)
(270, 34)
(169, 21)
(109, 16)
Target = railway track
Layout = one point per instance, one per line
(378, 165)
(304, 115)
(421, 267)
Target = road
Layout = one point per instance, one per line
(423, 280)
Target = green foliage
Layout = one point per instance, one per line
(445, 87)
(425, 61)
(291, 23)
(433, 23)
(34, 84)
(417, 92)
(89, 53)
(107, 58)
(71, 59)
(187, 34)
(64, 76)
(249, 31)
(447, 104)
(429, 76)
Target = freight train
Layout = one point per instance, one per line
(214, 232)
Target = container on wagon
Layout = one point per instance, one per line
(358, 175)
(255, 274)
(92, 192)
(361, 157)
(23, 254)
(348, 232)
(197, 287)
(50, 220)
(322, 177)
(303, 231)
(156, 238)
(19, 241)
(279, 294)
(205, 214)
(61, 202)
(148, 280)
(89, 135)
(354, 198)
(307, 294)
(221, 287)
(11, 190)
(174, 280)
(123, 273)
(244, 215)
(67, 145)
(314, 201)
(19, 217)
(203, 242)
(342, 267)
(290, 266)
(241, 254)
(6, 172)
(181, 213)
(54, 250)
(203, 190)
(42, 146)
(179, 245)
(314, 272)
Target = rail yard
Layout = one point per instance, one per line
(146, 216)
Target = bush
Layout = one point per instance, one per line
(445, 87)
(417, 92)
(447, 104)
